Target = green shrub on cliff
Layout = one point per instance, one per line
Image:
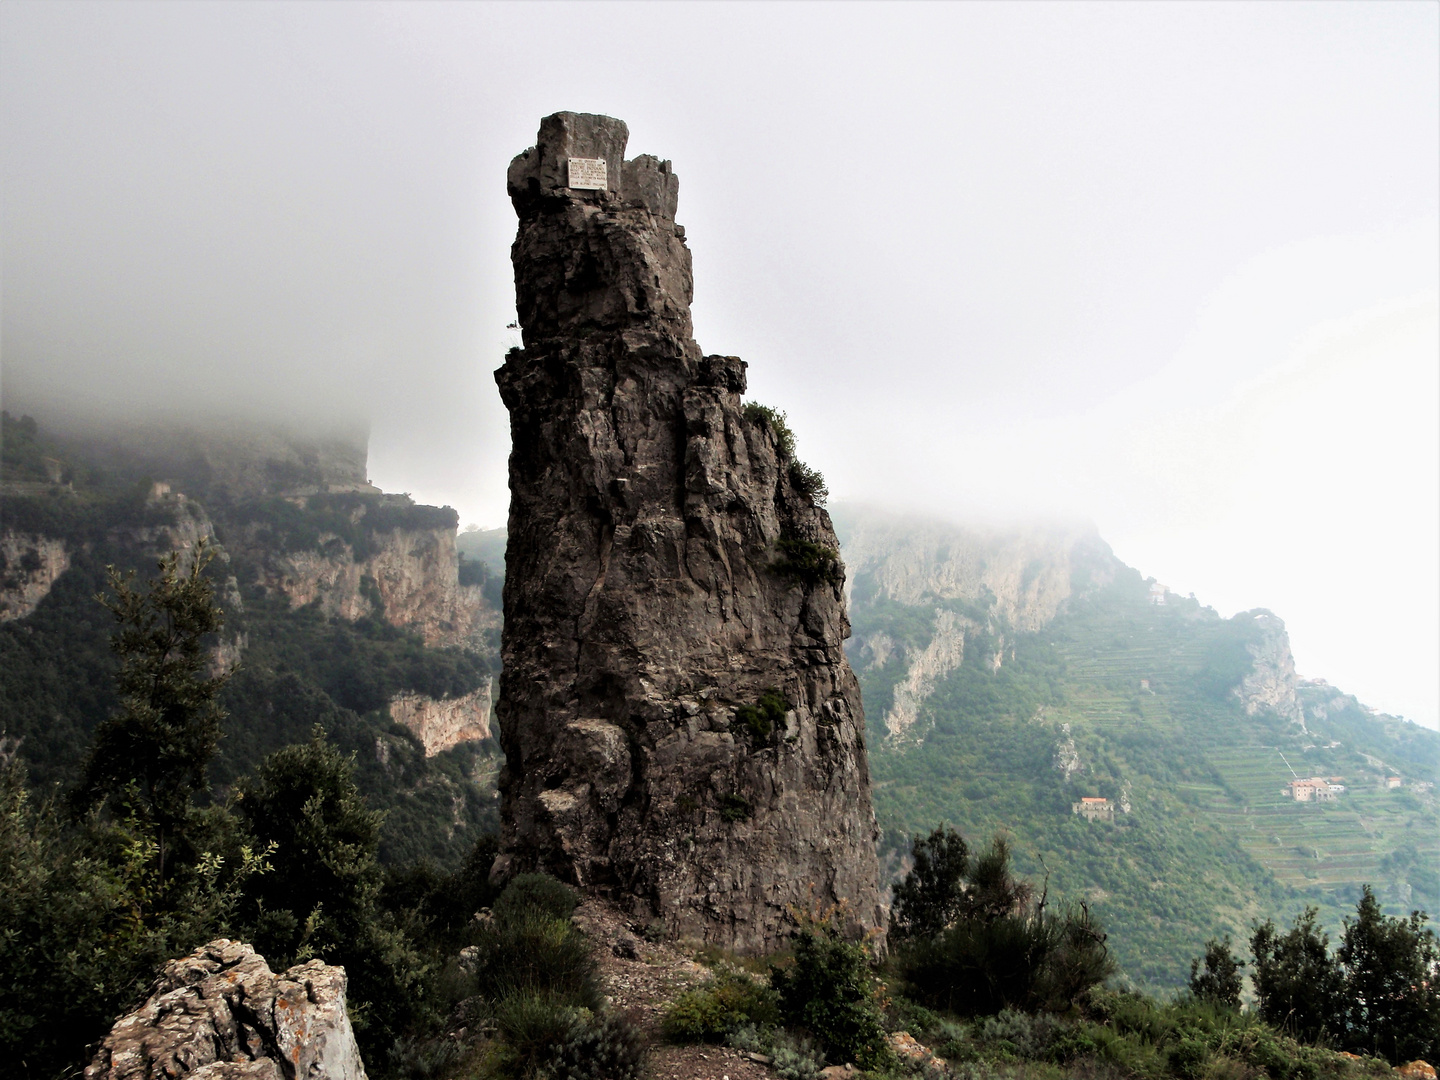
(807, 562)
(809, 482)
(760, 720)
(775, 421)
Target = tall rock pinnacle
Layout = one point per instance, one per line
(682, 731)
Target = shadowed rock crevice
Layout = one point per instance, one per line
(645, 607)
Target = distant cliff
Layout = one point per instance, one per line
(344, 606)
(954, 583)
(923, 592)
(681, 727)
(1270, 684)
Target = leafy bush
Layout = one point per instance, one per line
(323, 899)
(531, 978)
(729, 1000)
(809, 482)
(998, 947)
(534, 953)
(1221, 980)
(807, 562)
(85, 923)
(425, 1059)
(1023, 1034)
(1298, 985)
(776, 422)
(735, 808)
(802, 477)
(930, 898)
(829, 992)
(1392, 1002)
(1188, 1058)
(759, 720)
(149, 757)
(437, 906)
(529, 1026)
(597, 1046)
(531, 895)
(791, 1058)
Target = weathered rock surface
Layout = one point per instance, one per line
(643, 603)
(410, 575)
(221, 1014)
(29, 565)
(440, 723)
(1271, 684)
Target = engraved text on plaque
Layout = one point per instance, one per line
(588, 174)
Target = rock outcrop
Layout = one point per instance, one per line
(221, 1014)
(682, 730)
(440, 723)
(29, 565)
(409, 576)
(1271, 684)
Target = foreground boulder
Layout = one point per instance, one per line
(681, 728)
(222, 1014)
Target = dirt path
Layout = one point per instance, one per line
(641, 978)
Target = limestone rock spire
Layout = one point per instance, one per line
(682, 730)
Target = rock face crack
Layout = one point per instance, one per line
(644, 616)
(221, 1014)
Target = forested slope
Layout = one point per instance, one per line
(1121, 698)
(293, 665)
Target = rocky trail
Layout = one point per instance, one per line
(641, 978)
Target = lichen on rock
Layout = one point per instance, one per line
(643, 604)
(221, 1014)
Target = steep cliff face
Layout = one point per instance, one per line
(29, 565)
(984, 584)
(410, 576)
(1271, 683)
(440, 723)
(681, 727)
(1020, 575)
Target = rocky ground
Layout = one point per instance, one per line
(641, 978)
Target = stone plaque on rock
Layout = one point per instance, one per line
(588, 174)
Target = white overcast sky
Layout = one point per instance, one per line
(1171, 267)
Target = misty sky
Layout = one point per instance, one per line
(1173, 268)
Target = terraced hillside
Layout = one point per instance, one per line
(1120, 698)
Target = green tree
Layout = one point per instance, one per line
(1298, 985)
(323, 900)
(1391, 966)
(149, 758)
(931, 896)
(1000, 947)
(84, 925)
(1221, 980)
(829, 991)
